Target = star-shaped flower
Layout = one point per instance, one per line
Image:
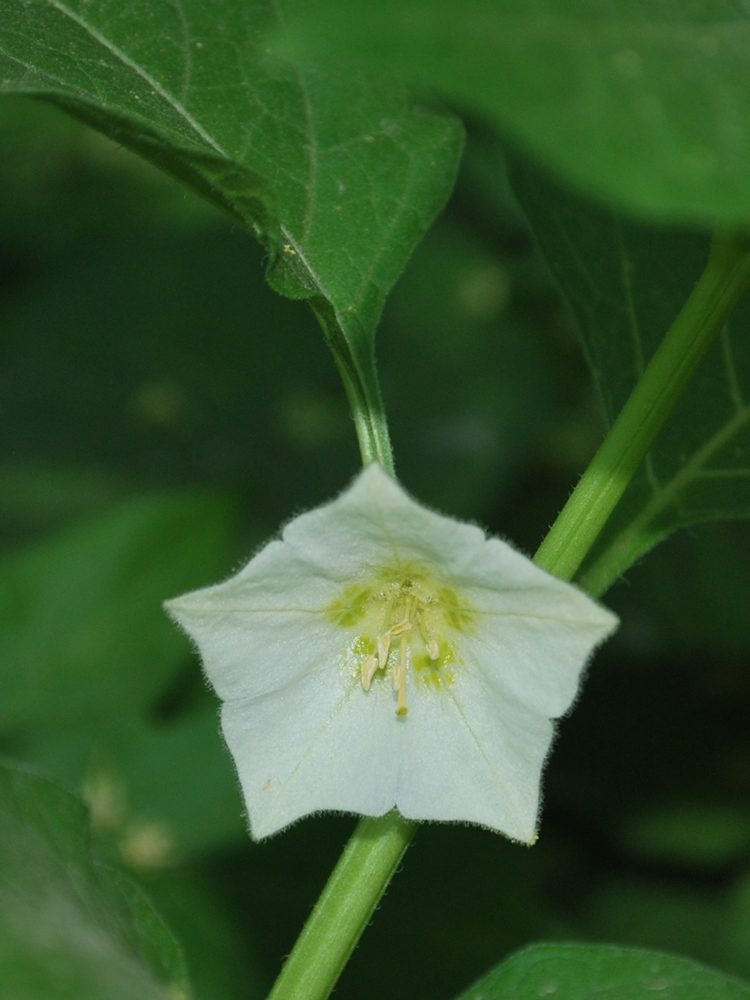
(382, 655)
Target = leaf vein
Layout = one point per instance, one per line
(162, 91)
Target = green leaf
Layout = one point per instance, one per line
(589, 971)
(158, 791)
(338, 176)
(179, 778)
(701, 834)
(625, 284)
(221, 951)
(87, 659)
(644, 104)
(82, 631)
(71, 929)
(685, 600)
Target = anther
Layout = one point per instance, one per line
(369, 666)
(384, 644)
(402, 627)
(433, 649)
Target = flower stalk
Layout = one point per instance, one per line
(344, 908)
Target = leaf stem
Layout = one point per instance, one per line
(344, 908)
(725, 278)
(369, 419)
(354, 354)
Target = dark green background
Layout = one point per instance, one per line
(162, 412)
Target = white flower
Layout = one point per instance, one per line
(382, 655)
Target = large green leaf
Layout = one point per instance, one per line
(71, 929)
(625, 284)
(589, 971)
(644, 104)
(83, 637)
(337, 176)
(89, 664)
(220, 951)
(159, 791)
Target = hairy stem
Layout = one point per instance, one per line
(354, 354)
(344, 909)
(369, 420)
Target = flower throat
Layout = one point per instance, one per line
(405, 618)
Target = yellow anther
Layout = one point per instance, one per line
(401, 618)
(402, 627)
(369, 666)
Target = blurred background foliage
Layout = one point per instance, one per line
(163, 412)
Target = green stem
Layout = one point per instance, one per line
(354, 354)
(344, 909)
(369, 419)
(645, 531)
(725, 278)
(377, 846)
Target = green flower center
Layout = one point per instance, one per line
(406, 622)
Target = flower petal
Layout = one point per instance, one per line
(276, 578)
(474, 755)
(376, 522)
(320, 744)
(537, 654)
(250, 652)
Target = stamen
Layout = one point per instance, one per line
(369, 666)
(402, 627)
(384, 644)
(396, 674)
(401, 709)
(407, 608)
